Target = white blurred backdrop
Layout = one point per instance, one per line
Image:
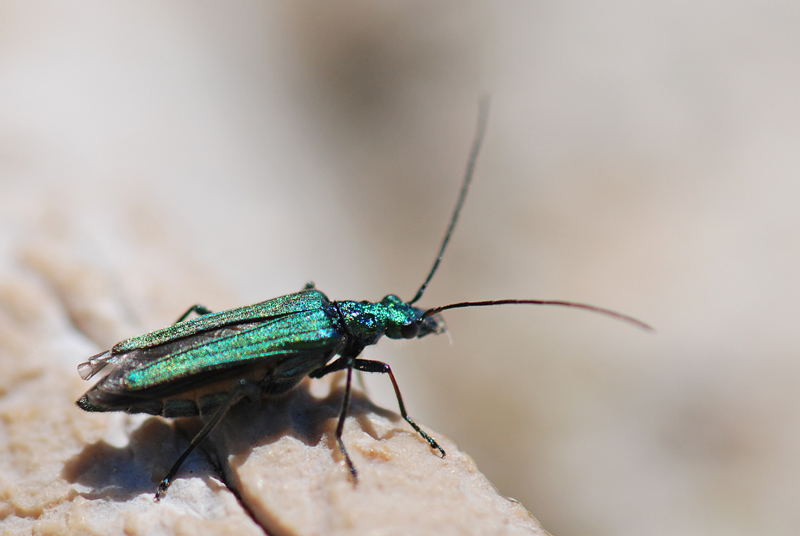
(640, 156)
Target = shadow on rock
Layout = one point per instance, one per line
(121, 473)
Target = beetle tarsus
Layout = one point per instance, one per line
(162, 489)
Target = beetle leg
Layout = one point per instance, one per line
(343, 363)
(196, 308)
(339, 364)
(245, 389)
(367, 365)
(343, 416)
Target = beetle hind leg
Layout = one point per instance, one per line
(245, 389)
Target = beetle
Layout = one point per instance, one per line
(205, 365)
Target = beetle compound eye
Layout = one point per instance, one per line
(410, 330)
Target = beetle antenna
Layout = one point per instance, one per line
(483, 114)
(575, 305)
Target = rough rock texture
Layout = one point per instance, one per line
(270, 467)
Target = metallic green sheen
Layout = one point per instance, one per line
(275, 343)
(371, 320)
(307, 300)
(301, 333)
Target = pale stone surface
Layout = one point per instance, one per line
(289, 473)
(64, 471)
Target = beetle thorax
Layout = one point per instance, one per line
(368, 321)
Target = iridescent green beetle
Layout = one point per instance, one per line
(205, 365)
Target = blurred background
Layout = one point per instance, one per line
(639, 156)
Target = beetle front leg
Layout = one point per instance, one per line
(340, 364)
(366, 365)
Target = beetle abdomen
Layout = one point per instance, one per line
(170, 408)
